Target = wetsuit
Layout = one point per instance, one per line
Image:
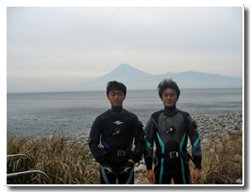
(169, 129)
(116, 129)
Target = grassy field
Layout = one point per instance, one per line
(222, 160)
(63, 162)
(72, 163)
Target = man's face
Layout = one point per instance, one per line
(116, 98)
(169, 97)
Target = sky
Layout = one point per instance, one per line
(50, 47)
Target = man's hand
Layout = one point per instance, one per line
(196, 175)
(151, 175)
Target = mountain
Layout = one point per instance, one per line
(137, 79)
(191, 79)
(125, 71)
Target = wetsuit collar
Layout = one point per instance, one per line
(170, 111)
(117, 110)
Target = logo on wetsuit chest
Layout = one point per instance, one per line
(169, 120)
(118, 122)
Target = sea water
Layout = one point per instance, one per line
(71, 113)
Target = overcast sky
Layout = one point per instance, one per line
(48, 47)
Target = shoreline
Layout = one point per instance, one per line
(208, 126)
(211, 126)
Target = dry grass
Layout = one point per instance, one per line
(72, 163)
(222, 160)
(64, 162)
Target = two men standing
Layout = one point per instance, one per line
(169, 128)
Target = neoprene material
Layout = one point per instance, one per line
(170, 129)
(116, 129)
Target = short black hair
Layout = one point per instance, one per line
(168, 83)
(114, 85)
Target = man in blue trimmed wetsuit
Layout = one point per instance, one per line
(116, 129)
(169, 129)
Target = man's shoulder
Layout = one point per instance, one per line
(156, 114)
(183, 113)
(103, 115)
(129, 113)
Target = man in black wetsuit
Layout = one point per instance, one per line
(116, 129)
(169, 129)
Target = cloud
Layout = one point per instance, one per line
(126, 28)
(93, 41)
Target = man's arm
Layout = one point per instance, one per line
(196, 147)
(139, 140)
(149, 140)
(94, 141)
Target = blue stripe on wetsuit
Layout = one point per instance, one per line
(196, 142)
(162, 159)
(181, 159)
(129, 146)
(148, 144)
(104, 143)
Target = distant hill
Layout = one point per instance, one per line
(137, 79)
(125, 72)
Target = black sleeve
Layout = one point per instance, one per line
(195, 141)
(138, 135)
(150, 133)
(94, 141)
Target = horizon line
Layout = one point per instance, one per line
(104, 90)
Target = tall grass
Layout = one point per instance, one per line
(70, 162)
(222, 160)
(64, 161)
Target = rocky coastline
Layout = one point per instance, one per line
(209, 127)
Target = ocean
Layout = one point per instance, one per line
(71, 113)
